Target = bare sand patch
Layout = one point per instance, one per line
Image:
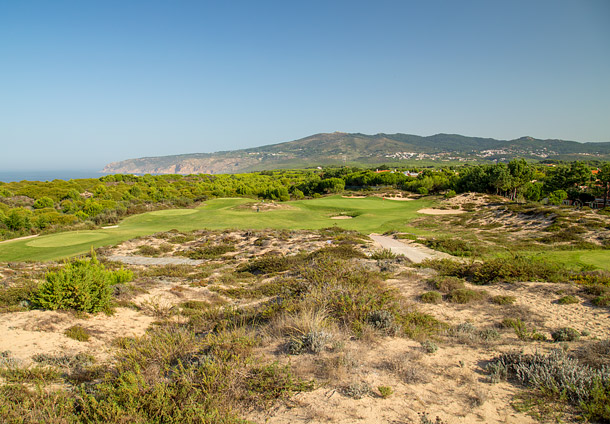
(34, 332)
(430, 211)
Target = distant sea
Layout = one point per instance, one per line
(10, 176)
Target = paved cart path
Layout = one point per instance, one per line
(413, 251)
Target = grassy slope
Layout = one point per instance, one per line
(373, 215)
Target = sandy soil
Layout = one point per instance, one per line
(450, 383)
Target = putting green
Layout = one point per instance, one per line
(174, 212)
(67, 239)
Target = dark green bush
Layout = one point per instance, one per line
(453, 246)
(446, 284)
(515, 268)
(464, 296)
(82, 285)
(568, 300)
(565, 334)
(78, 332)
(503, 300)
(431, 297)
(210, 252)
(601, 300)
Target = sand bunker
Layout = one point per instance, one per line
(429, 211)
(341, 217)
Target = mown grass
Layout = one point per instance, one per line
(374, 215)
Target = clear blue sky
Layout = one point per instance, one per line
(83, 83)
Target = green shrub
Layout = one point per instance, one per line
(210, 252)
(431, 297)
(146, 250)
(453, 246)
(268, 264)
(446, 284)
(383, 254)
(82, 285)
(521, 330)
(565, 334)
(77, 332)
(503, 300)
(382, 320)
(343, 251)
(385, 391)
(464, 296)
(601, 300)
(16, 297)
(560, 376)
(429, 346)
(568, 300)
(515, 268)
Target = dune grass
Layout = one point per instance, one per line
(370, 214)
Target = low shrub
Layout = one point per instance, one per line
(464, 296)
(521, 330)
(560, 377)
(565, 334)
(78, 332)
(383, 254)
(508, 269)
(310, 342)
(446, 284)
(210, 252)
(146, 250)
(343, 251)
(453, 246)
(431, 297)
(429, 347)
(268, 264)
(382, 320)
(601, 300)
(504, 300)
(385, 391)
(16, 296)
(568, 300)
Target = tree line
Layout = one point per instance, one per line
(31, 207)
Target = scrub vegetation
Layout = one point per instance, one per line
(230, 310)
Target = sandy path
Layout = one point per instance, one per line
(144, 260)
(415, 253)
(19, 238)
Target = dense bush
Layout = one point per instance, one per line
(431, 297)
(453, 246)
(82, 285)
(565, 334)
(509, 269)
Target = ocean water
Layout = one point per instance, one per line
(36, 175)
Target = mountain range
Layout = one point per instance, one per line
(361, 149)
